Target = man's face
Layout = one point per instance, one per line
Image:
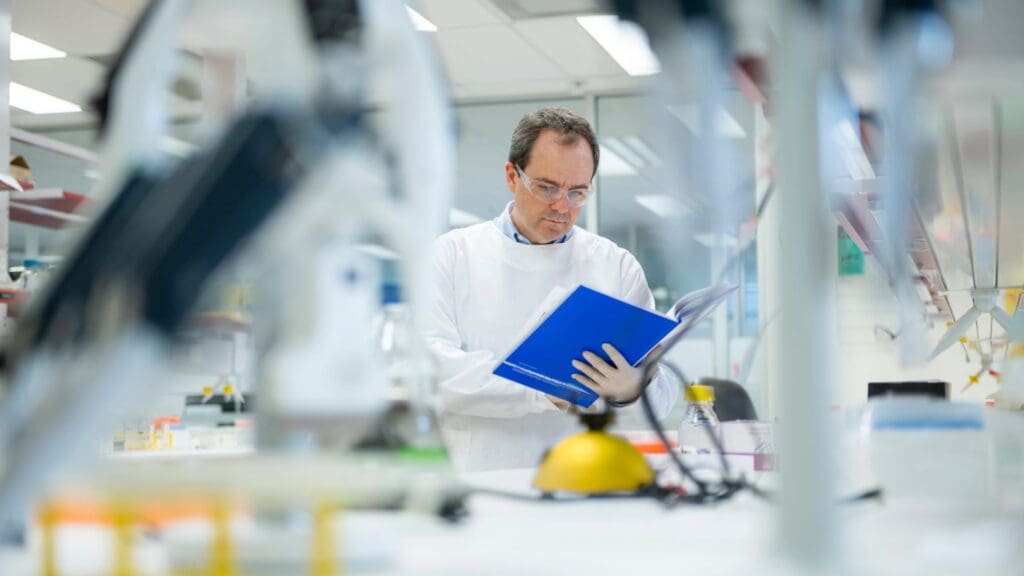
(551, 161)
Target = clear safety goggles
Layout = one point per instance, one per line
(549, 193)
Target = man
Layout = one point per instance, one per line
(492, 277)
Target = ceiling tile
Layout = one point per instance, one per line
(456, 13)
(73, 79)
(566, 43)
(492, 54)
(130, 9)
(78, 27)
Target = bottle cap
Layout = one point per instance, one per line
(699, 393)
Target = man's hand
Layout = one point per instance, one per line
(617, 382)
(559, 403)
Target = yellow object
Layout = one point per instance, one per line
(123, 541)
(48, 540)
(1012, 296)
(207, 390)
(1016, 350)
(222, 553)
(229, 389)
(699, 393)
(963, 339)
(324, 561)
(974, 378)
(593, 462)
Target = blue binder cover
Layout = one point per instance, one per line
(585, 320)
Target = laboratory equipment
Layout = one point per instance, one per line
(594, 462)
(923, 449)
(699, 422)
(932, 388)
(409, 424)
(265, 186)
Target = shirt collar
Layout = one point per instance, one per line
(508, 228)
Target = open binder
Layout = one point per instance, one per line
(583, 321)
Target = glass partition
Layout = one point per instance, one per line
(636, 203)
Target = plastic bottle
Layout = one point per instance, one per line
(409, 424)
(700, 415)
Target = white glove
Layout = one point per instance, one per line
(617, 382)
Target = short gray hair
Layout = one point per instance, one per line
(569, 124)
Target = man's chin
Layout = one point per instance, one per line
(553, 232)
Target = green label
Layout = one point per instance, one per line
(851, 259)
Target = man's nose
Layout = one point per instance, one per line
(562, 205)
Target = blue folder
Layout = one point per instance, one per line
(585, 320)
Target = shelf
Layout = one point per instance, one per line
(51, 208)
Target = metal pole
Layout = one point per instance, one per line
(808, 523)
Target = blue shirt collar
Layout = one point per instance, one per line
(508, 228)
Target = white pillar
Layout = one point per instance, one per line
(808, 524)
(768, 262)
(720, 317)
(5, 136)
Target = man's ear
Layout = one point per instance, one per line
(510, 177)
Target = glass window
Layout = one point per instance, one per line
(635, 205)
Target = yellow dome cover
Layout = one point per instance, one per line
(593, 462)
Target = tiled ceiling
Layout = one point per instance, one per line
(487, 53)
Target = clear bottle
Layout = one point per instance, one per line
(699, 418)
(410, 424)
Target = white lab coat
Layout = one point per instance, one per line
(488, 288)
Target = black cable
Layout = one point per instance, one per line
(652, 419)
(872, 494)
(727, 487)
(547, 497)
(666, 496)
(707, 426)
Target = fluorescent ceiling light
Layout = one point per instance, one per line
(614, 146)
(176, 147)
(377, 251)
(662, 205)
(24, 48)
(36, 102)
(419, 22)
(624, 41)
(708, 240)
(726, 125)
(460, 218)
(632, 149)
(640, 146)
(613, 165)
